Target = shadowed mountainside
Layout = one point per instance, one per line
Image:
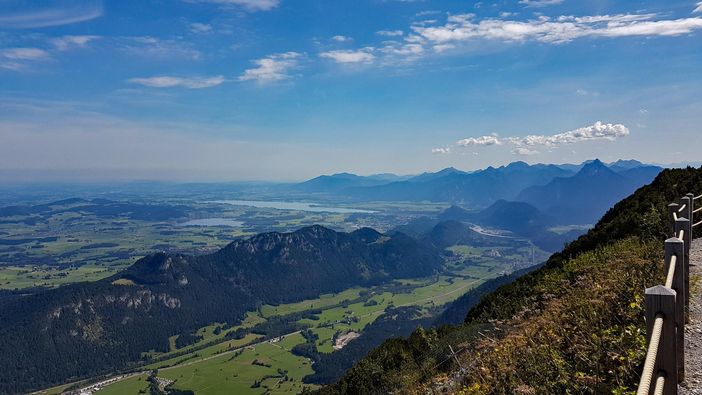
(89, 328)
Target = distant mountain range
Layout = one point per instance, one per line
(587, 195)
(557, 190)
(88, 328)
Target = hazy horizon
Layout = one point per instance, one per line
(122, 176)
(281, 90)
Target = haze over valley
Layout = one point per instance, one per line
(349, 197)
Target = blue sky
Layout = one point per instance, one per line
(288, 89)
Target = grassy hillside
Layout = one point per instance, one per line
(575, 325)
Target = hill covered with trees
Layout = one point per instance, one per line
(574, 325)
(85, 329)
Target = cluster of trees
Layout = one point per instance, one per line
(187, 339)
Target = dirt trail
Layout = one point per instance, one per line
(693, 330)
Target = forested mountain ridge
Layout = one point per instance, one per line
(89, 328)
(574, 325)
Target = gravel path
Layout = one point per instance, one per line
(693, 331)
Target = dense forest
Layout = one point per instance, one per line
(85, 329)
(575, 325)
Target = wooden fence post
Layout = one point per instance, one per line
(691, 215)
(684, 224)
(672, 211)
(661, 300)
(674, 247)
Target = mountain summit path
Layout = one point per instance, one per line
(693, 330)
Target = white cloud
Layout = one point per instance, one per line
(539, 3)
(179, 82)
(152, 47)
(482, 141)
(428, 37)
(24, 54)
(17, 59)
(585, 92)
(68, 42)
(250, 5)
(563, 29)
(526, 145)
(390, 33)
(698, 8)
(439, 48)
(524, 151)
(441, 151)
(407, 50)
(47, 17)
(597, 131)
(363, 55)
(200, 28)
(341, 39)
(272, 68)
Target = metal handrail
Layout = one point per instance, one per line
(671, 271)
(697, 224)
(651, 354)
(696, 210)
(697, 197)
(683, 207)
(681, 235)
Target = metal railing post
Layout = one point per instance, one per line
(660, 301)
(683, 224)
(672, 213)
(674, 253)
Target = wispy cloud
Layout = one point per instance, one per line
(363, 55)
(560, 30)
(528, 145)
(426, 37)
(272, 68)
(200, 28)
(341, 39)
(250, 5)
(441, 150)
(69, 42)
(24, 54)
(539, 3)
(179, 82)
(60, 14)
(585, 92)
(390, 33)
(17, 59)
(698, 8)
(524, 151)
(152, 47)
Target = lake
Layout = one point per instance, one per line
(299, 206)
(214, 222)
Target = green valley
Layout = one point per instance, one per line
(219, 363)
